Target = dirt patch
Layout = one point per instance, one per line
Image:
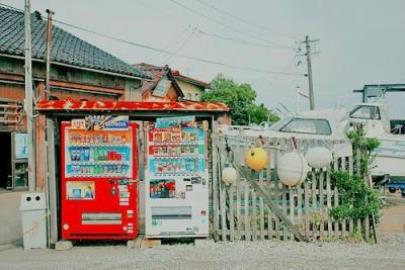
(393, 215)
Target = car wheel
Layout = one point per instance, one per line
(392, 190)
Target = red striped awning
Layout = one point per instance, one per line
(75, 105)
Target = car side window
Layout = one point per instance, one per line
(307, 126)
(366, 112)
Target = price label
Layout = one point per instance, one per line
(78, 124)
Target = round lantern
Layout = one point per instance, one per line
(319, 157)
(256, 158)
(229, 175)
(292, 169)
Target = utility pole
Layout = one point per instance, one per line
(48, 53)
(28, 102)
(308, 54)
(309, 66)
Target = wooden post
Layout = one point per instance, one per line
(291, 208)
(53, 192)
(223, 214)
(253, 218)
(329, 200)
(261, 205)
(40, 148)
(366, 223)
(231, 214)
(238, 214)
(351, 161)
(269, 224)
(306, 209)
(29, 97)
(314, 206)
(299, 205)
(321, 204)
(246, 212)
(215, 192)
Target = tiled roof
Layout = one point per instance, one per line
(66, 47)
(196, 82)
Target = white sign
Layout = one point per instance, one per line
(161, 88)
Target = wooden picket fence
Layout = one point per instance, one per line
(241, 213)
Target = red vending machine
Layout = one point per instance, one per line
(98, 178)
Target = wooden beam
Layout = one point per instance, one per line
(70, 85)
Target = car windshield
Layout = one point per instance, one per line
(304, 125)
(366, 112)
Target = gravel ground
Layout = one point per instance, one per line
(388, 254)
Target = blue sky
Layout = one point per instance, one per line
(361, 42)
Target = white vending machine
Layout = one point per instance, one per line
(176, 179)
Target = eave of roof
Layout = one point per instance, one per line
(192, 81)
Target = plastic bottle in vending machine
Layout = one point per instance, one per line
(87, 154)
(99, 154)
(81, 155)
(74, 155)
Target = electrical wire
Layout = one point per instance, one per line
(194, 58)
(182, 45)
(214, 20)
(158, 57)
(243, 20)
(244, 41)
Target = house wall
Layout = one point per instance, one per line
(121, 87)
(12, 91)
(132, 91)
(191, 91)
(66, 82)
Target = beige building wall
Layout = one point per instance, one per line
(190, 91)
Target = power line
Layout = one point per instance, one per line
(159, 56)
(245, 41)
(214, 20)
(199, 59)
(186, 40)
(180, 54)
(229, 38)
(242, 19)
